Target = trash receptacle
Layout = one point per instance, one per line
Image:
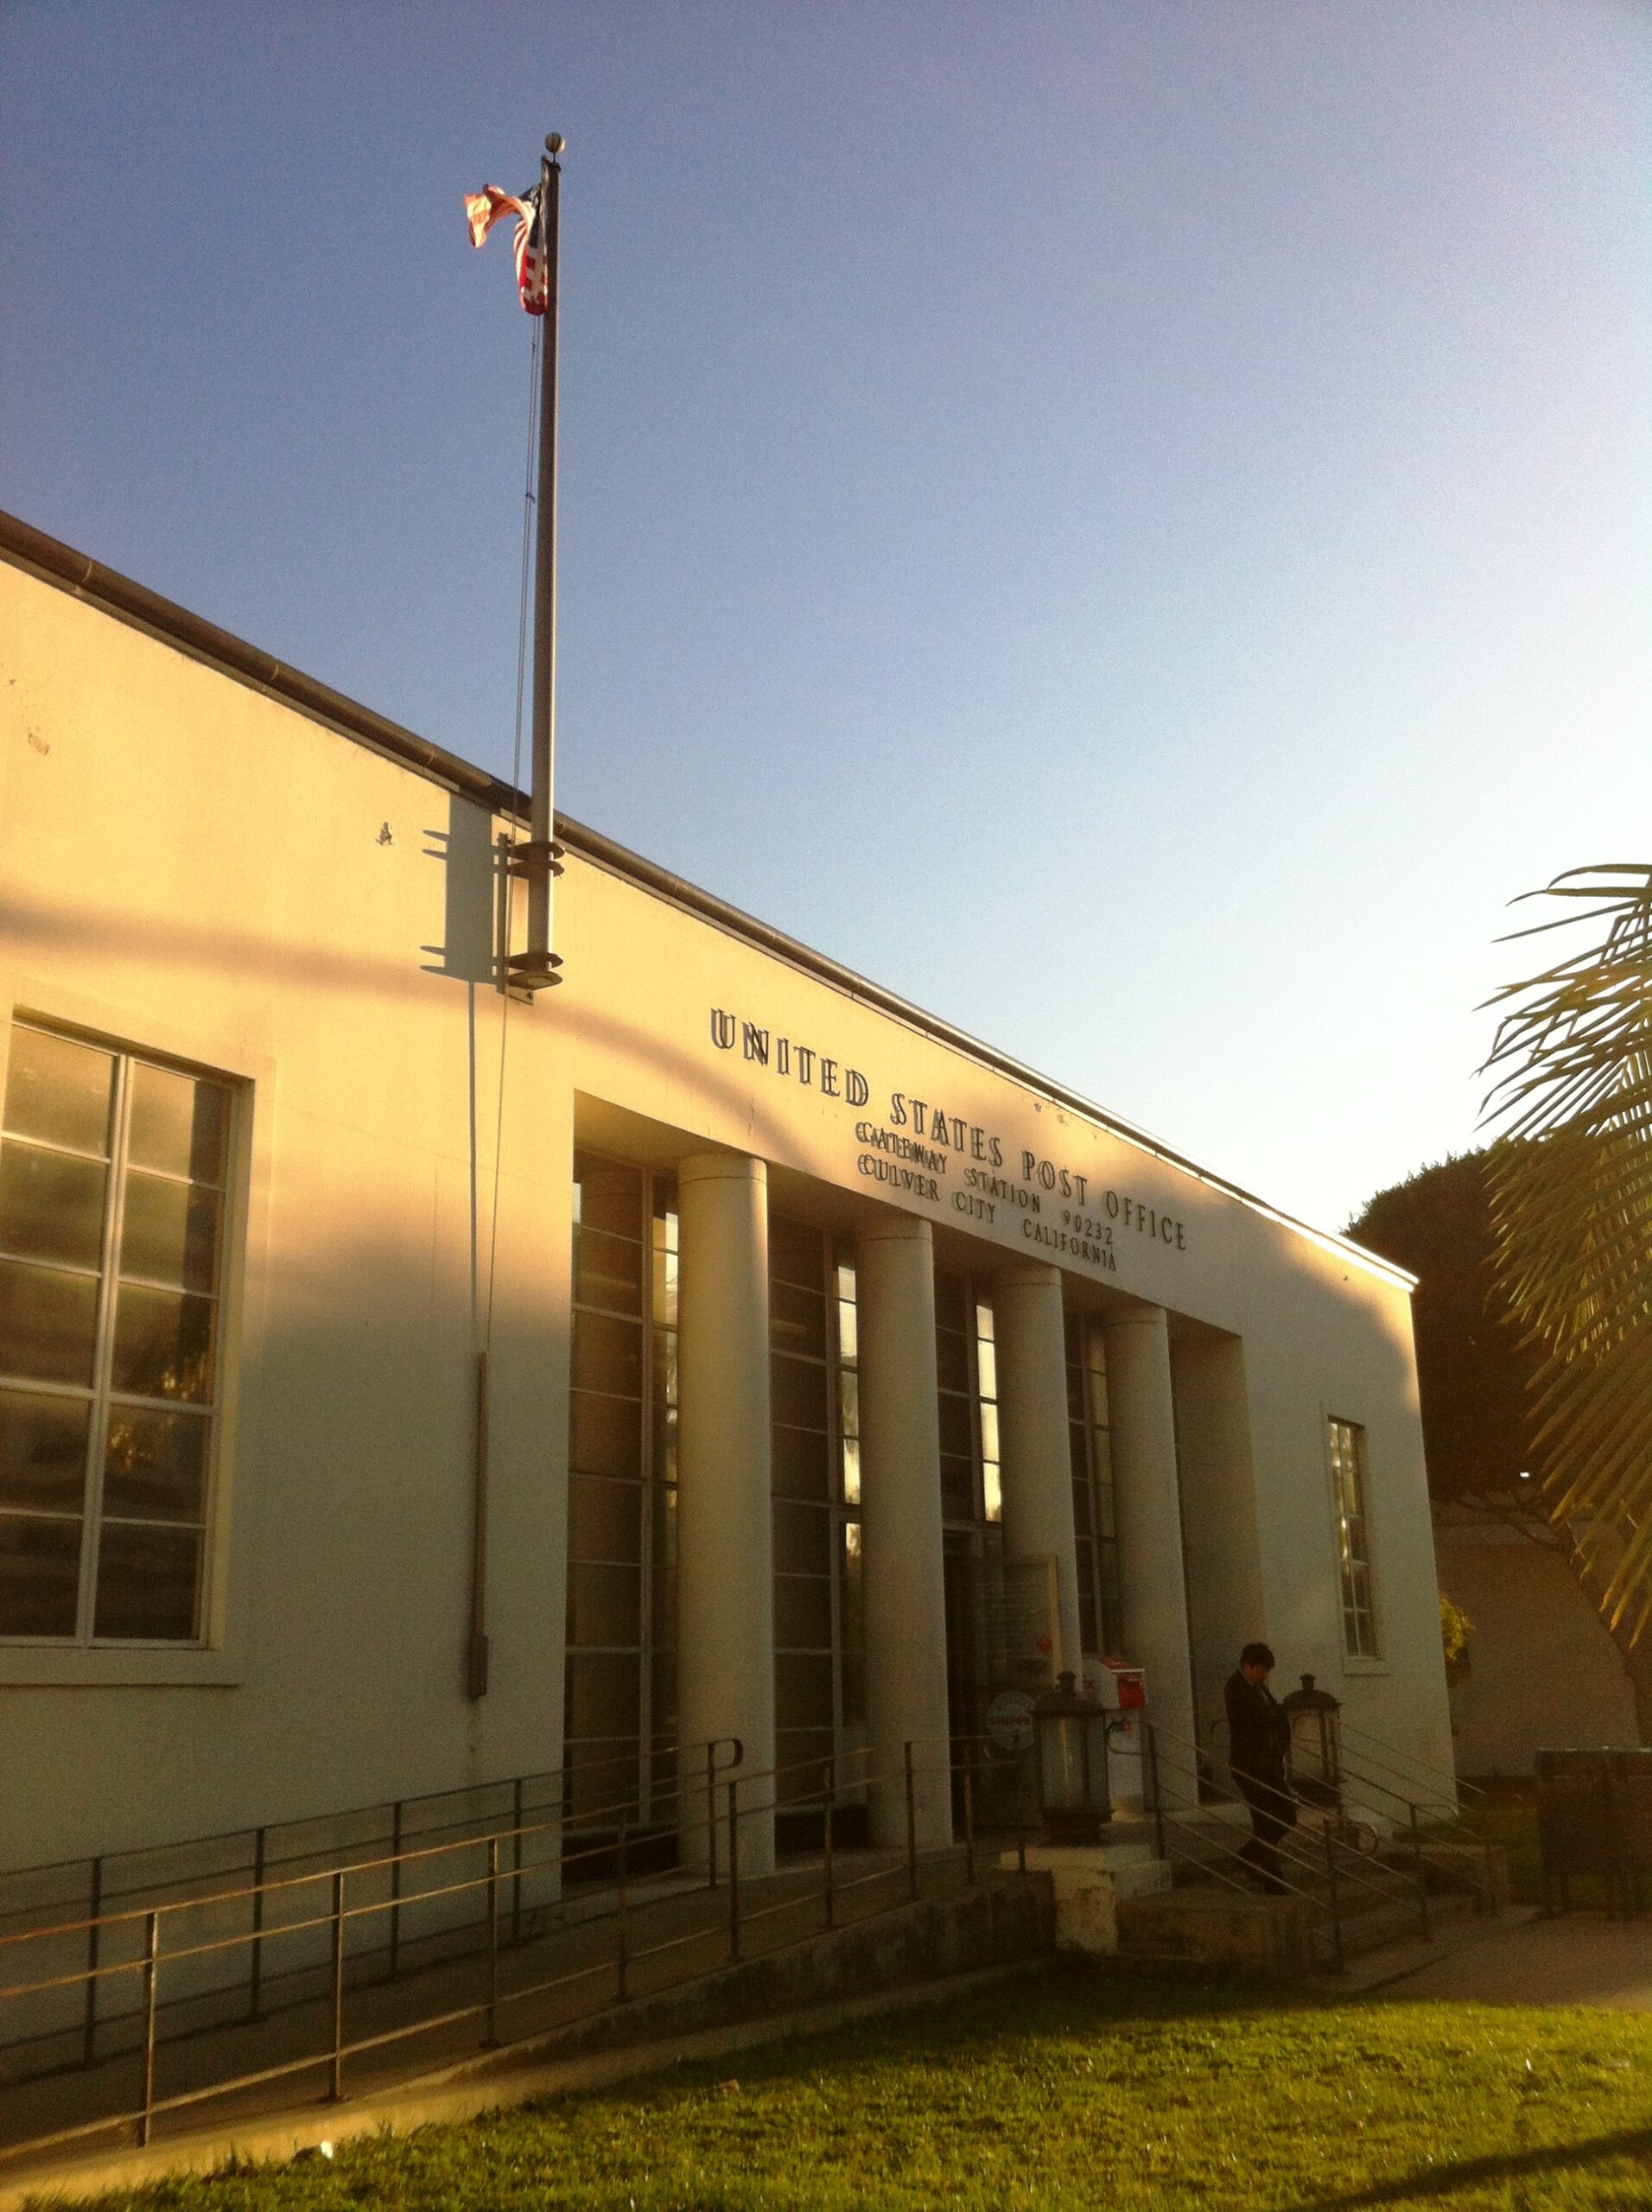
(1631, 1788)
(1576, 1828)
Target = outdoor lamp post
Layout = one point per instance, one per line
(1069, 1743)
(1315, 1718)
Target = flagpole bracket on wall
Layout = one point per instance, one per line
(536, 860)
(532, 972)
(534, 856)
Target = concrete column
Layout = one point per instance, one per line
(1142, 1418)
(1035, 1457)
(902, 1581)
(725, 1571)
(1224, 1573)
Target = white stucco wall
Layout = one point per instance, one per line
(192, 867)
(196, 868)
(1325, 1330)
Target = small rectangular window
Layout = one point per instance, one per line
(1347, 1447)
(113, 1191)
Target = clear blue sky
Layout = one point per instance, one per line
(1131, 524)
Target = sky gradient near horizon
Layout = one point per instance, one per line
(1132, 527)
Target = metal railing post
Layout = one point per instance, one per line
(829, 1897)
(1150, 1736)
(395, 1888)
(493, 1939)
(94, 1911)
(969, 1829)
(622, 1937)
(1338, 1961)
(1422, 1879)
(151, 1976)
(254, 1971)
(711, 1816)
(335, 2057)
(734, 1871)
(516, 1862)
(911, 1828)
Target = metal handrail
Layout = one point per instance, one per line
(1424, 1818)
(395, 1808)
(177, 1953)
(1300, 1854)
(1194, 1768)
(299, 1821)
(354, 1865)
(1396, 1764)
(496, 1881)
(1459, 1787)
(357, 1857)
(1366, 1784)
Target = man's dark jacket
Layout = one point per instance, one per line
(1258, 1735)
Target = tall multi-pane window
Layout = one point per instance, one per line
(992, 1487)
(989, 1604)
(814, 1388)
(966, 1373)
(620, 1691)
(1347, 1445)
(967, 1403)
(851, 1636)
(622, 1677)
(848, 1372)
(1094, 1528)
(662, 1481)
(1109, 1592)
(113, 1200)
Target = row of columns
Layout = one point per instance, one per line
(725, 1602)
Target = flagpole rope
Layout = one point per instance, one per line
(528, 503)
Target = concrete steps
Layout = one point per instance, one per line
(1206, 1922)
(1211, 1916)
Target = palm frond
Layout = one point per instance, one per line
(1570, 1182)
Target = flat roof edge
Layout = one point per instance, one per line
(82, 577)
(595, 846)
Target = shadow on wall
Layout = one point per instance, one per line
(394, 1450)
(350, 1505)
(472, 896)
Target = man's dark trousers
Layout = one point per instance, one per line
(1258, 1739)
(1273, 1811)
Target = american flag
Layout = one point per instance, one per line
(485, 209)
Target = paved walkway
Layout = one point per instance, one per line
(1581, 1957)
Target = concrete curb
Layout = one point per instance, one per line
(462, 2091)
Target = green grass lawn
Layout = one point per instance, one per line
(1065, 2090)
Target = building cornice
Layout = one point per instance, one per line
(79, 575)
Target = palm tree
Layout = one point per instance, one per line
(1570, 1181)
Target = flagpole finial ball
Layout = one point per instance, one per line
(554, 144)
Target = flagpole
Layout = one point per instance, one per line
(535, 967)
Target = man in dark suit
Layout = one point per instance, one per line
(1258, 1737)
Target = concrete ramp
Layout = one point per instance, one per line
(571, 1993)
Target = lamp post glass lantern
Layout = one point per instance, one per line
(1069, 1743)
(1315, 1718)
